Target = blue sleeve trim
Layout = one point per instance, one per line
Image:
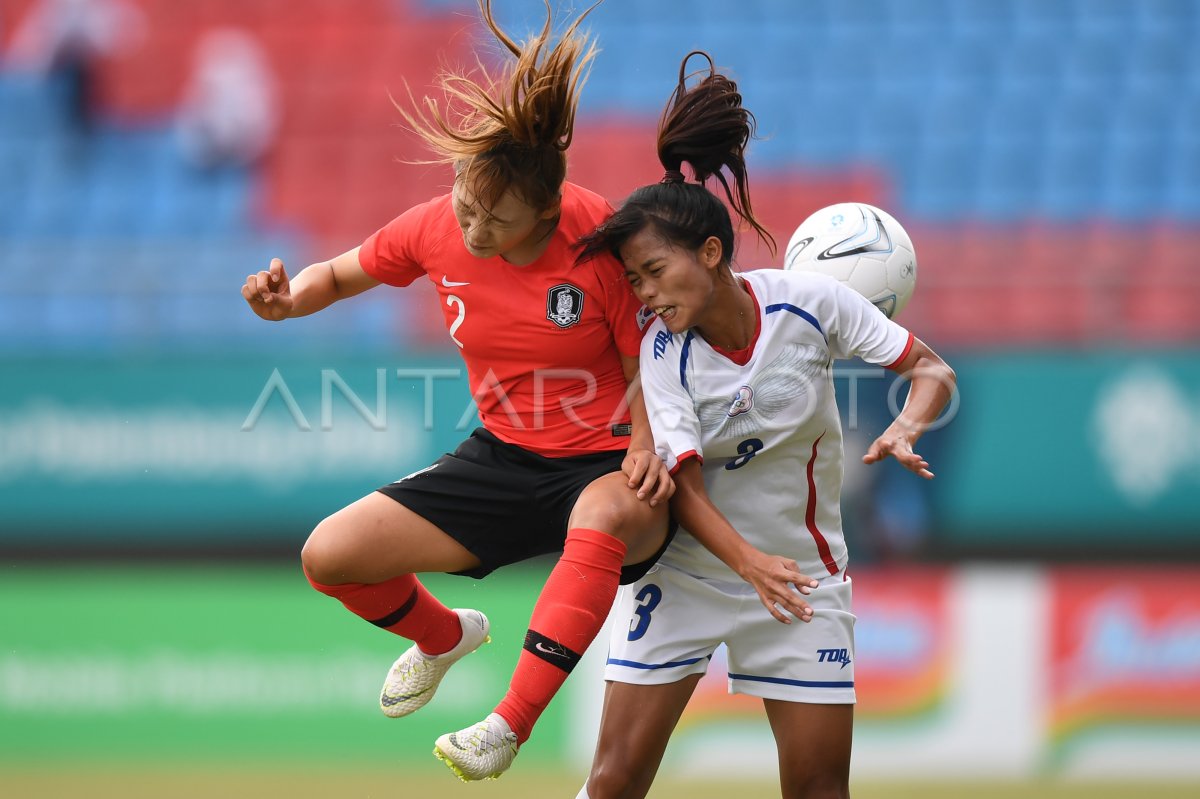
(803, 314)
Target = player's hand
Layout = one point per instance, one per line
(648, 475)
(269, 292)
(779, 583)
(895, 443)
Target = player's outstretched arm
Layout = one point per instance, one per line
(274, 297)
(777, 580)
(933, 384)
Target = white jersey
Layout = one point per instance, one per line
(768, 433)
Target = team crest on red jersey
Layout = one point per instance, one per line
(564, 305)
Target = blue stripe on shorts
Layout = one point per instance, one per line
(801, 683)
(633, 664)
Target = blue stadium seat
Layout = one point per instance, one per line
(1032, 65)
(1009, 175)
(1055, 19)
(1185, 122)
(1182, 190)
(1135, 178)
(1094, 66)
(1143, 116)
(889, 132)
(1077, 134)
(30, 105)
(779, 139)
(904, 69)
(1155, 64)
(966, 67)
(1112, 19)
(990, 22)
(862, 24)
(1171, 18)
(1019, 116)
(943, 182)
(929, 19)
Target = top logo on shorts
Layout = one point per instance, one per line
(564, 305)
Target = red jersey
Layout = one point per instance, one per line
(542, 341)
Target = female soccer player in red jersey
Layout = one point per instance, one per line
(737, 374)
(562, 462)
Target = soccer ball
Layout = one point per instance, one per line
(863, 247)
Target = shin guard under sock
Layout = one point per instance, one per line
(569, 613)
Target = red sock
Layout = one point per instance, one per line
(570, 611)
(402, 606)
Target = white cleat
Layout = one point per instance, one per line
(415, 676)
(482, 751)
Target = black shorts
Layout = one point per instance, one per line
(504, 503)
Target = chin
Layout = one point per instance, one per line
(676, 324)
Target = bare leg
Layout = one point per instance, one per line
(609, 505)
(634, 729)
(377, 538)
(814, 748)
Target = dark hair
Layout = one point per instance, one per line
(513, 131)
(706, 127)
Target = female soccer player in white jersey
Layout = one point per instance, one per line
(737, 374)
(562, 463)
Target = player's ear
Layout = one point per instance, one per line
(711, 252)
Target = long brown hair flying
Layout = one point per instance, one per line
(510, 131)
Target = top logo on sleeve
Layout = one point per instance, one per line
(564, 305)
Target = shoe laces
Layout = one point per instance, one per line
(484, 738)
(416, 665)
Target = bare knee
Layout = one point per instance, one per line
(614, 778)
(327, 555)
(816, 786)
(610, 506)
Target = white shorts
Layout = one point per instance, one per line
(676, 622)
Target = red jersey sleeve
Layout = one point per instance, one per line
(392, 254)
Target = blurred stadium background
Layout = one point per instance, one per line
(1028, 623)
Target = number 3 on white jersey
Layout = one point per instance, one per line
(453, 300)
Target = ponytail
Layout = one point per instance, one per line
(705, 127)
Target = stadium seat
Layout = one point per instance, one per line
(1155, 63)
(1031, 66)
(1164, 17)
(992, 22)
(1094, 66)
(1134, 179)
(1037, 17)
(1009, 175)
(1110, 19)
(1162, 313)
(925, 18)
(966, 68)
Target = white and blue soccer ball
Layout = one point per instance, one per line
(863, 247)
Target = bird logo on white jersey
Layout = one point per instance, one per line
(783, 382)
(743, 401)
